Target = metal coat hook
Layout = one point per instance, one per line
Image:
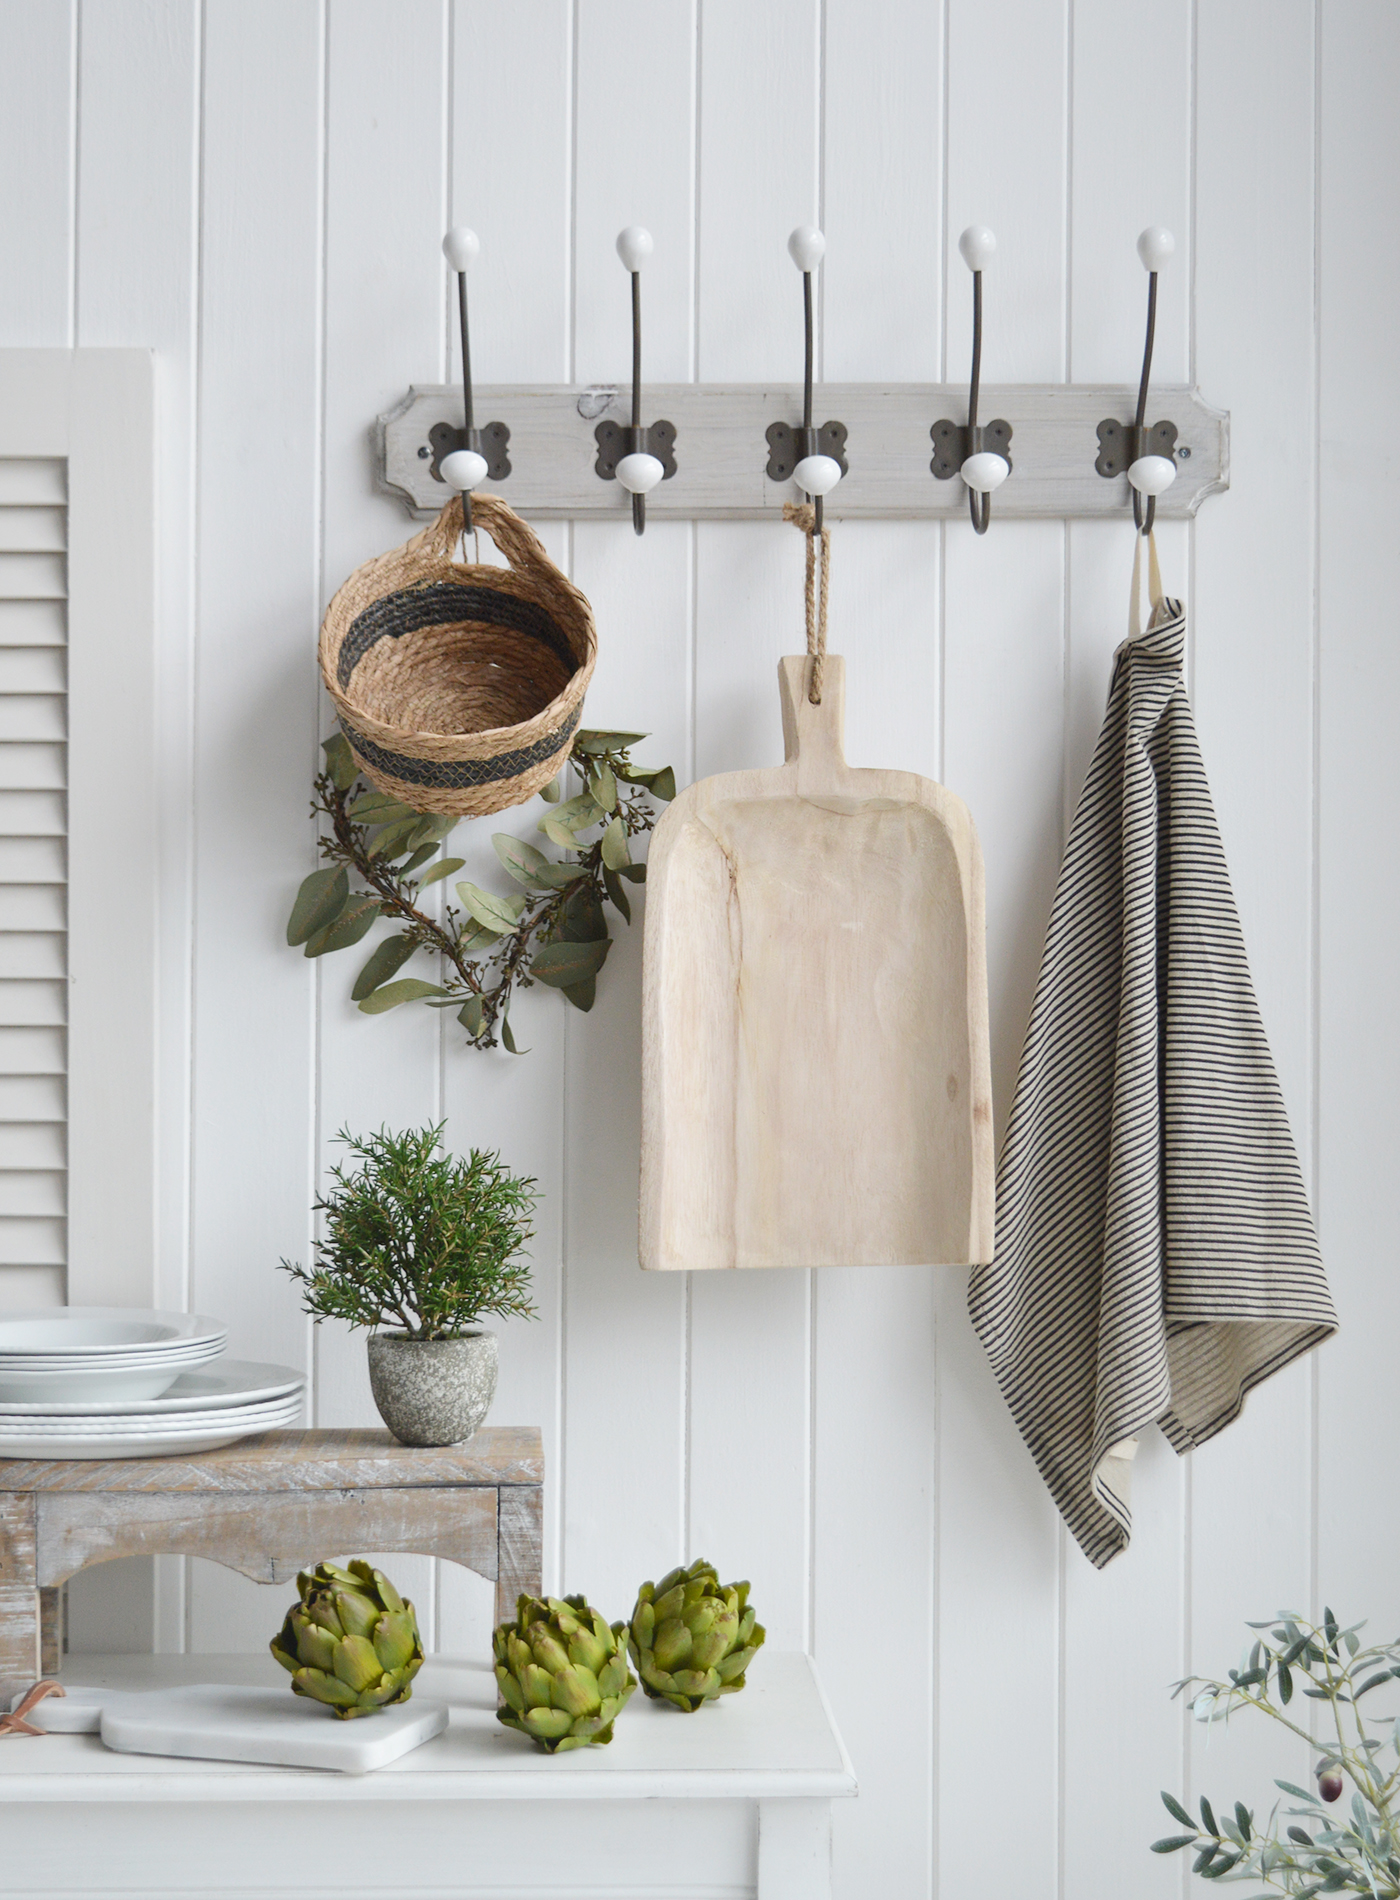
(813, 458)
(1146, 455)
(638, 458)
(458, 457)
(977, 454)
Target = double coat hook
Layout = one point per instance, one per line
(977, 454)
(459, 459)
(636, 457)
(813, 458)
(1146, 455)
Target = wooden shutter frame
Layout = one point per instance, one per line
(95, 408)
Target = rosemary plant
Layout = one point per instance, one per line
(419, 1240)
(552, 929)
(1313, 1851)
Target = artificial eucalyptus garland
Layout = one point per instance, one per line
(554, 930)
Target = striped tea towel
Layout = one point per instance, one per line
(1155, 1256)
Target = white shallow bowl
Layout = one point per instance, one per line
(84, 1384)
(114, 1361)
(223, 1382)
(137, 1425)
(66, 1330)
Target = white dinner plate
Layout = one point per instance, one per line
(144, 1425)
(68, 1330)
(223, 1382)
(116, 1445)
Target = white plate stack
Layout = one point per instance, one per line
(124, 1382)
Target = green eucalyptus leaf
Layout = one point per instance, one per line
(612, 883)
(558, 877)
(408, 989)
(380, 808)
(634, 873)
(524, 863)
(615, 852)
(498, 914)
(663, 786)
(582, 995)
(559, 834)
(593, 740)
(582, 919)
(578, 813)
(420, 856)
(563, 964)
(472, 1016)
(319, 901)
(603, 787)
(386, 960)
(508, 1038)
(395, 838)
(340, 761)
(550, 793)
(353, 923)
(443, 868)
(474, 936)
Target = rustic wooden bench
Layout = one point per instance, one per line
(268, 1507)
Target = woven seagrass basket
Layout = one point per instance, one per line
(460, 687)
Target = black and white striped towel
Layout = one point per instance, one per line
(1155, 1256)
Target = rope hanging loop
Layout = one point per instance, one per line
(804, 516)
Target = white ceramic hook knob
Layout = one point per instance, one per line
(1152, 474)
(639, 473)
(985, 471)
(817, 474)
(977, 245)
(464, 469)
(634, 247)
(1155, 246)
(461, 247)
(806, 248)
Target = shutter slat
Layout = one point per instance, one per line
(33, 860)
(34, 1145)
(33, 669)
(33, 815)
(33, 530)
(32, 481)
(33, 1051)
(33, 577)
(27, 1191)
(27, 1241)
(33, 1002)
(33, 953)
(26, 1288)
(33, 768)
(33, 623)
(33, 1098)
(33, 907)
(30, 716)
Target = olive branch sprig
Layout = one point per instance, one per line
(553, 930)
(1318, 1852)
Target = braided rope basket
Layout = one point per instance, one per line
(460, 687)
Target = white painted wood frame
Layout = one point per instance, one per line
(93, 410)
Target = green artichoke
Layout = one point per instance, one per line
(351, 1642)
(562, 1671)
(692, 1637)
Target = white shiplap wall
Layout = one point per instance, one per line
(255, 189)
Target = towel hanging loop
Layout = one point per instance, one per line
(977, 454)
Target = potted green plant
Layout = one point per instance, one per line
(419, 1246)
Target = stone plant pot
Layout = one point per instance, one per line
(432, 1391)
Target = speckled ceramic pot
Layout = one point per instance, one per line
(432, 1391)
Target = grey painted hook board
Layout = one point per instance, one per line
(722, 454)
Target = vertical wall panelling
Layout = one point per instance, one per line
(998, 1538)
(1359, 1018)
(258, 708)
(386, 87)
(37, 125)
(514, 190)
(750, 1346)
(1122, 1628)
(1253, 673)
(882, 315)
(625, 1343)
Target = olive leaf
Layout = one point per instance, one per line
(319, 901)
(407, 990)
(352, 924)
(341, 764)
(443, 868)
(385, 961)
(615, 852)
(499, 914)
(562, 964)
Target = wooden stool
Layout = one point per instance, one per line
(268, 1507)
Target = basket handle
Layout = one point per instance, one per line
(515, 538)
